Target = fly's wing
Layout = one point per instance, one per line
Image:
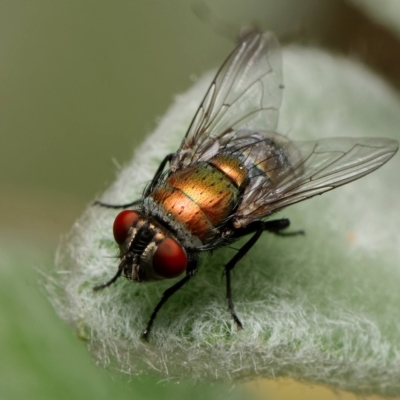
(295, 171)
(245, 94)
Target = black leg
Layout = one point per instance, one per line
(165, 296)
(278, 225)
(100, 203)
(275, 226)
(258, 228)
(158, 173)
(125, 260)
(231, 306)
(148, 190)
(109, 283)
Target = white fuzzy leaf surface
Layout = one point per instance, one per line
(324, 307)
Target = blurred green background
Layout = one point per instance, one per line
(81, 84)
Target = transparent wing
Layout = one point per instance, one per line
(245, 94)
(300, 170)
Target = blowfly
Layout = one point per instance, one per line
(231, 172)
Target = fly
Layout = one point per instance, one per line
(232, 172)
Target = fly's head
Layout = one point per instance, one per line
(147, 251)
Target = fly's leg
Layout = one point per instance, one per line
(127, 259)
(148, 190)
(158, 174)
(165, 296)
(190, 272)
(108, 283)
(257, 228)
(278, 225)
(126, 205)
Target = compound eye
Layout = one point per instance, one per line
(170, 259)
(122, 223)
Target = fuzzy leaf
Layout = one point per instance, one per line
(324, 307)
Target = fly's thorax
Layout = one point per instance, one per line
(232, 167)
(269, 158)
(196, 201)
(156, 210)
(148, 251)
(267, 154)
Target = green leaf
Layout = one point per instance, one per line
(323, 307)
(42, 360)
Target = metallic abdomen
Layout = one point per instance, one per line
(202, 196)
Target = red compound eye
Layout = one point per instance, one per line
(169, 260)
(123, 222)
